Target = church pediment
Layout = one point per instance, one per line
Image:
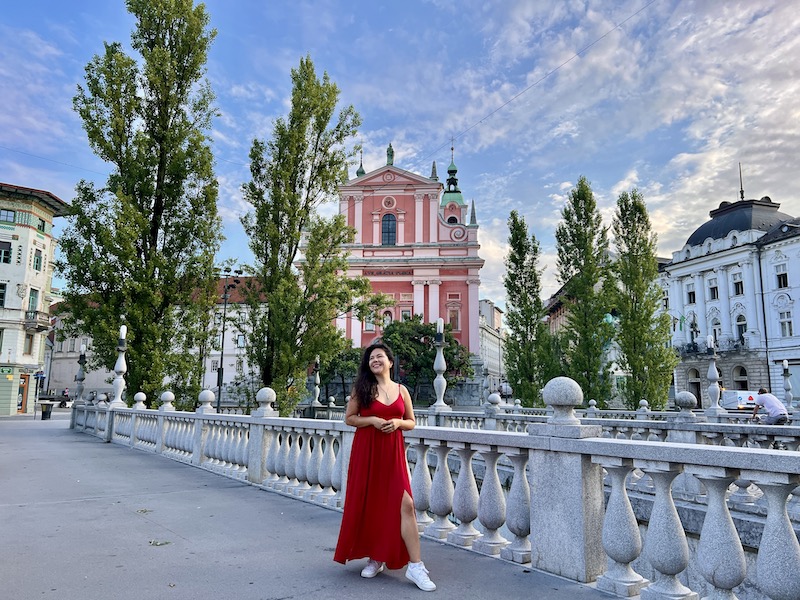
(388, 175)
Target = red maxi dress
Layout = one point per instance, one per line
(376, 479)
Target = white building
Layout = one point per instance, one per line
(733, 284)
(492, 338)
(27, 248)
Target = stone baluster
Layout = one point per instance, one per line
(313, 468)
(301, 471)
(621, 539)
(421, 485)
(719, 555)
(491, 505)
(778, 561)
(441, 495)
(291, 462)
(272, 456)
(282, 459)
(326, 472)
(465, 499)
(518, 513)
(337, 474)
(715, 412)
(665, 546)
(242, 451)
(120, 368)
(787, 388)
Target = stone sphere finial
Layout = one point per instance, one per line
(139, 398)
(331, 402)
(685, 400)
(206, 398)
(265, 397)
(563, 395)
(167, 398)
(494, 399)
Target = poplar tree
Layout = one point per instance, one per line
(531, 352)
(582, 248)
(300, 283)
(643, 334)
(140, 248)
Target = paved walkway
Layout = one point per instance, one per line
(85, 520)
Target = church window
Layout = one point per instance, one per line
(387, 318)
(405, 314)
(453, 319)
(452, 220)
(389, 230)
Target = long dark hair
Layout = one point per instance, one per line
(365, 387)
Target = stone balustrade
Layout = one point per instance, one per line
(660, 509)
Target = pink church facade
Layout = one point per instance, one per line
(416, 240)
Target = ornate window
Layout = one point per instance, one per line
(713, 290)
(389, 230)
(740, 378)
(37, 260)
(7, 216)
(453, 318)
(741, 327)
(785, 319)
(5, 252)
(387, 318)
(782, 276)
(738, 286)
(690, 298)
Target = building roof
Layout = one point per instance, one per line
(743, 215)
(50, 200)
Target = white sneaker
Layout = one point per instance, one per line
(417, 573)
(373, 568)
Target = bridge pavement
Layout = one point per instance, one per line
(85, 520)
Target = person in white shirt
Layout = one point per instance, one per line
(776, 411)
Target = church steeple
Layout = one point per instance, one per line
(361, 170)
(434, 176)
(472, 219)
(451, 191)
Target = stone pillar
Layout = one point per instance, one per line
(433, 300)
(418, 217)
(751, 302)
(700, 298)
(419, 296)
(566, 488)
(725, 304)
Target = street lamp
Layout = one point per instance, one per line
(225, 296)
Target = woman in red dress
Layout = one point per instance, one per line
(379, 521)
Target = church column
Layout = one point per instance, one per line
(434, 230)
(358, 203)
(433, 301)
(474, 315)
(376, 228)
(419, 297)
(418, 217)
(401, 227)
(725, 304)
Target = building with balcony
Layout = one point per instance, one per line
(732, 286)
(27, 248)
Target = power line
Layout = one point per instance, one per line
(58, 162)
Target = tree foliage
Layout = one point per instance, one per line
(341, 367)
(531, 354)
(643, 334)
(412, 342)
(295, 296)
(141, 247)
(582, 247)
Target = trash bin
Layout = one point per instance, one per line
(47, 410)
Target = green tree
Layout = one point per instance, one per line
(341, 367)
(141, 247)
(412, 342)
(532, 355)
(297, 292)
(643, 334)
(582, 246)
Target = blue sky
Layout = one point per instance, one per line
(665, 95)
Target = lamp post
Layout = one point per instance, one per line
(226, 288)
